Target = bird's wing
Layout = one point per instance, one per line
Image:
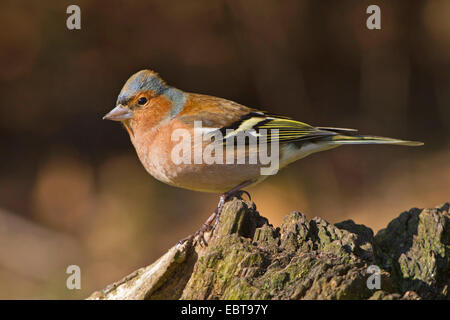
(345, 131)
(287, 130)
(211, 111)
(233, 119)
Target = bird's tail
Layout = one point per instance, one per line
(341, 139)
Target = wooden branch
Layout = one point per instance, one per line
(248, 259)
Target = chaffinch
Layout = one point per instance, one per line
(152, 111)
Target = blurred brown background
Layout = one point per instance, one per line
(72, 190)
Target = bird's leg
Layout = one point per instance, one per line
(235, 192)
(207, 226)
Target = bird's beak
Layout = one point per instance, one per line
(119, 113)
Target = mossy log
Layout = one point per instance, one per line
(247, 258)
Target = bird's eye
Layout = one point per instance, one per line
(142, 101)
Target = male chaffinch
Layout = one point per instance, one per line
(151, 111)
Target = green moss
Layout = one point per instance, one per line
(239, 290)
(299, 270)
(252, 260)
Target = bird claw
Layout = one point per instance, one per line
(223, 199)
(184, 240)
(238, 194)
(198, 237)
(200, 234)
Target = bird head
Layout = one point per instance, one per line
(137, 95)
(145, 101)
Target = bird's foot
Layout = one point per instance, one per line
(223, 199)
(238, 194)
(208, 226)
(199, 235)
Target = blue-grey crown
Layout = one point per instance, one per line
(141, 81)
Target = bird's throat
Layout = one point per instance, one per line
(127, 126)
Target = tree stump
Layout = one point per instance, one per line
(247, 258)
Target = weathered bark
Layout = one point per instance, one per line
(248, 259)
